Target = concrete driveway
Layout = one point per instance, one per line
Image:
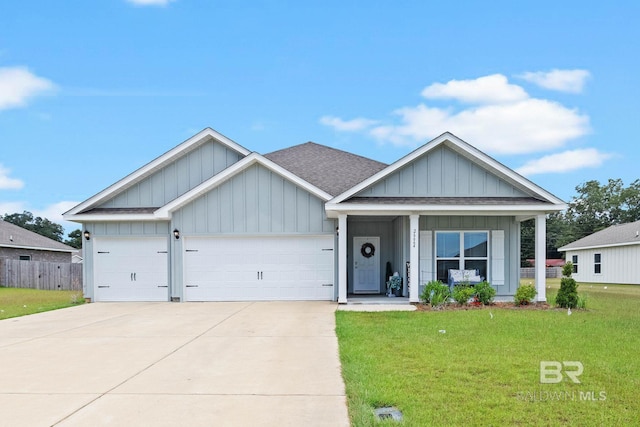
(173, 364)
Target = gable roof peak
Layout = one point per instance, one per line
(467, 150)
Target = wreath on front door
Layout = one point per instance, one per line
(367, 250)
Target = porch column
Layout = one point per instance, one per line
(414, 257)
(541, 257)
(342, 258)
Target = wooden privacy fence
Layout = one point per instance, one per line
(40, 275)
(550, 272)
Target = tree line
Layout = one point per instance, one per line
(595, 207)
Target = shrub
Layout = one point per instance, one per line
(567, 269)
(582, 302)
(435, 293)
(567, 296)
(462, 294)
(484, 292)
(525, 294)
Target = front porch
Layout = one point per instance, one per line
(413, 245)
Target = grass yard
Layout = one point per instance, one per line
(486, 371)
(16, 302)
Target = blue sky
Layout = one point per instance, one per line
(91, 91)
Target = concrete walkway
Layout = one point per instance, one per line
(173, 364)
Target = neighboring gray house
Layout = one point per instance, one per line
(611, 255)
(21, 244)
(211, 221)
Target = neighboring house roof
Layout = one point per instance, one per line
(616, 235)
(13, 236)
(549, 262)
(332, 170)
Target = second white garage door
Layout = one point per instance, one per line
(258, 268)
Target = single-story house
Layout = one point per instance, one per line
(611, 255)
(212, 221)
(21, 244)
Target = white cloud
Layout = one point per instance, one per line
(526, 126)
(150, 2)
(572, 81)
(54, 212)
(357, 124)
(506, 121)
(7, 183)
(18, 85)
(11, 208)
(491, 89)
(565, 162)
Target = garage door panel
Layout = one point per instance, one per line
(258, 268)
(131, 269)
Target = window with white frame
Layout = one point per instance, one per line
(597, 263)
(25, 258)
(461, 250)
(574, 261)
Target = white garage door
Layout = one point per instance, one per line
(130, 269)
(258, 268)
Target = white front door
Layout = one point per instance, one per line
(131, 269)
(366, 265)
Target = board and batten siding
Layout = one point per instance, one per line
(503, 229)
(113, 229)
(442, 173)
(618, 265)
(177, 177)
(255, 201)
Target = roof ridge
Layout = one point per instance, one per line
(317, 144)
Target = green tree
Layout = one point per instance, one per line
(38, 225)
(598, 206)
(75, 239)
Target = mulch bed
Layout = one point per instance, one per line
(505, 305)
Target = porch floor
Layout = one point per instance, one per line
(376, 299)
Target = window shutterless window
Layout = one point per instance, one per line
(574, 261)
(597, 263)
(456, 250)
(25, 257)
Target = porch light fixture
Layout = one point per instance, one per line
(87, 235)
(176, 233)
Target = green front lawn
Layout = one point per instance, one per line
(20, 302)
(486, 371)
